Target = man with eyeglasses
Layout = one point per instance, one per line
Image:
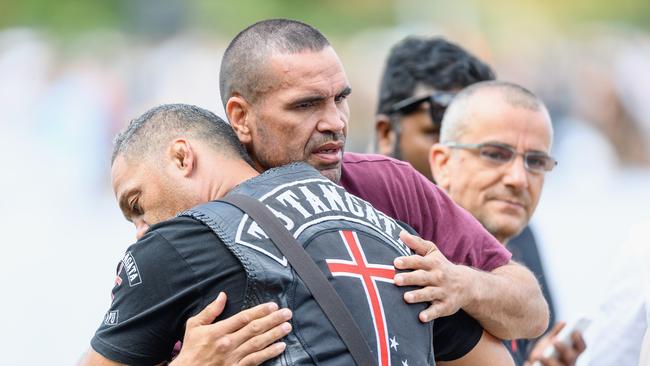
(421, 77)
(485, 131)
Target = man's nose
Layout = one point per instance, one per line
(332, 119)
(516, 175)
(141, 228)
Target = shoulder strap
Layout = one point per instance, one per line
(325, 295)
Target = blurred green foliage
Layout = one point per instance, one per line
(334, 17)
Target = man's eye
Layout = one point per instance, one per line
(340, 98)
(496, 153)
(536, 162)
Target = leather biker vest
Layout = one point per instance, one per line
(350, 241)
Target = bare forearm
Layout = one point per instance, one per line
(508, 302)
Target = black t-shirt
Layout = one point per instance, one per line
(175, 271)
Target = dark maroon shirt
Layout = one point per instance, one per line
(401, 192)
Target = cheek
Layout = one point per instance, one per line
(535, 191)
(470, 189)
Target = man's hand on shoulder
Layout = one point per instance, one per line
(246, 338)
(444, 284)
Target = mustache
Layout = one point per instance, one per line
(323, 138)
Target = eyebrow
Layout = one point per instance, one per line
(345, 92)
(319, 97)
(307, 99)
(513, 147)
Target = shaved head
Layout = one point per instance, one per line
(485, 131)
(244, 67)
(460, 112)
(151, 132)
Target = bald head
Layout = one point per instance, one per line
(244, 69)
(151, 132)
(494, 153)
(463, 109)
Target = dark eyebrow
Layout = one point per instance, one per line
(497, 143)
(319, 98)
(345, 92)
(307, 99)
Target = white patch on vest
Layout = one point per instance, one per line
(256, 231)
(131, 269)
(371, 216)
(354, 207)
(333, 198)
(291, 198)
(298, 200)
(240, 229)
(288, 223)
(316, 204)
(112, 317)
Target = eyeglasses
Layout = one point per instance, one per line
(438, 103)
(534, 161)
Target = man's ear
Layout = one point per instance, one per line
(385, 135)
(439, 159)
(182, 156)
(239, 112)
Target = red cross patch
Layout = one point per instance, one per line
(368, 273)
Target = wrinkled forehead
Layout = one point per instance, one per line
(492, 117)
(309, 71)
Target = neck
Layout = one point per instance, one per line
(230, 173)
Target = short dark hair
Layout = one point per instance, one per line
(155, 128)
(433, 62)
(247, 54)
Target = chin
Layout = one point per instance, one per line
(332, 174)
(506, 227)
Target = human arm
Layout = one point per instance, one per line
(506, 301)
(244, 339)
(171, 274)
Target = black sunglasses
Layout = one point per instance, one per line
(438, 103)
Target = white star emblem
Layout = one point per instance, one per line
(393, 343)
(405, 363)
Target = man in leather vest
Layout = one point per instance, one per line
(506, 299)
(284, 91)
(178, 266)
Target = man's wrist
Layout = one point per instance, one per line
(472, 279)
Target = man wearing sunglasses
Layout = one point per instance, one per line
(492, 159)
(421, 77)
